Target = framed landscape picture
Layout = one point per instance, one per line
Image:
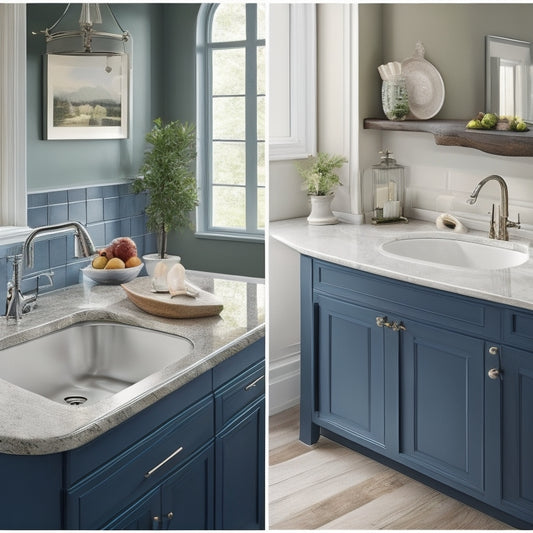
(86, 96)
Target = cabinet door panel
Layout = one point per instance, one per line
(188, 495)
(442, 396)
(351, 395)
(240, 472)
(518, 430)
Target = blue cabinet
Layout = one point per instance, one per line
(437, 382)
(174, 465)
(442, 404)
(517, 431)
(351, 366)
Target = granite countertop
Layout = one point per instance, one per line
(357, 246)
(33, 425)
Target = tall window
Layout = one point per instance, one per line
(231, 120)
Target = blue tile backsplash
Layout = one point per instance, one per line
(108, 211)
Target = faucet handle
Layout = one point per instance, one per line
(511, 224)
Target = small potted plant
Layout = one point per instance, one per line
(320, 181)
(168, 176)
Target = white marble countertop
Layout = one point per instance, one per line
(32, 425)
(357, 246)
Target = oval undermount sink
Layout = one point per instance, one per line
(90, 361)
(457, 252)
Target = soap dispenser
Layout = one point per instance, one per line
(388, 190)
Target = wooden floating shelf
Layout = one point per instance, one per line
(454, 133)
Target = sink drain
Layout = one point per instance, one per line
(75, 400)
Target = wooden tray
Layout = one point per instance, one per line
(139, 291)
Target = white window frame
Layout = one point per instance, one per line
(204, 138)
(13, 207)
(296, 85)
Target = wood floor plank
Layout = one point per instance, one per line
(327, 486)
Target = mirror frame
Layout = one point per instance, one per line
(519, 52)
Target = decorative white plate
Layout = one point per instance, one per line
(425, 88)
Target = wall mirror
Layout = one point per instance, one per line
(508, 77)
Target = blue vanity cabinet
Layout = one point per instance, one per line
(437, 382)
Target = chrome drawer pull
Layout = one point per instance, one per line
(173, 454)
(382, 321)
(254, 383)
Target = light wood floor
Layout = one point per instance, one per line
(327, 486)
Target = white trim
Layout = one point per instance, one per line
(284, 379)
(13, 113)
(300, 142)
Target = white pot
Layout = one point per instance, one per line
(321, 210)
(151, 260)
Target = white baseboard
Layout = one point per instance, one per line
(284, 379)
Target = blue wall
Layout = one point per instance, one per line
(62, 164)
(164, 84)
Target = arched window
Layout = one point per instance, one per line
(231, 120)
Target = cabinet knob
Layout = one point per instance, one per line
(493, 350)
(494, 373)
(170, 515)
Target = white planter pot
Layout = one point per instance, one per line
(321, 210)
(151, 260)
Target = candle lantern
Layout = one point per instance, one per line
(388, 190)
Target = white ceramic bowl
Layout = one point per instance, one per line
(112, 276)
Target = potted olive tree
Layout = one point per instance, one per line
(320, 182)
(168, 176)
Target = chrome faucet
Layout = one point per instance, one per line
(503, 211)
(16, 302)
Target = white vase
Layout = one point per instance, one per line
(321, 213)
(151, 260)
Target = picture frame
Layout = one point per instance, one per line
(86, 96)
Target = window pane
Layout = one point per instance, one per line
(261, 118)
(229, 207)
(229, 118)
(261, 208)
(261, 25)
(229, 71)
(261, 163)
(229, 163)
(261, 70)
(229, 23)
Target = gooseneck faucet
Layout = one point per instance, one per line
(17, 303)
(503, 218)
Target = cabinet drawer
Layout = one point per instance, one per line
(88, 458)
(100, 496)
(518, 328)
(239, 393)
(440, 308)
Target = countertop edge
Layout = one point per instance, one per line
(456, 281)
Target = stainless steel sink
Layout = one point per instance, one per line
(87, 362)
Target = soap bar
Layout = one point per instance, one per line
(449, 222)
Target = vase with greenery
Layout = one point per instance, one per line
(167, 174)
(320, 181)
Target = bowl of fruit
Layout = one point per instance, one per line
(115, 264)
